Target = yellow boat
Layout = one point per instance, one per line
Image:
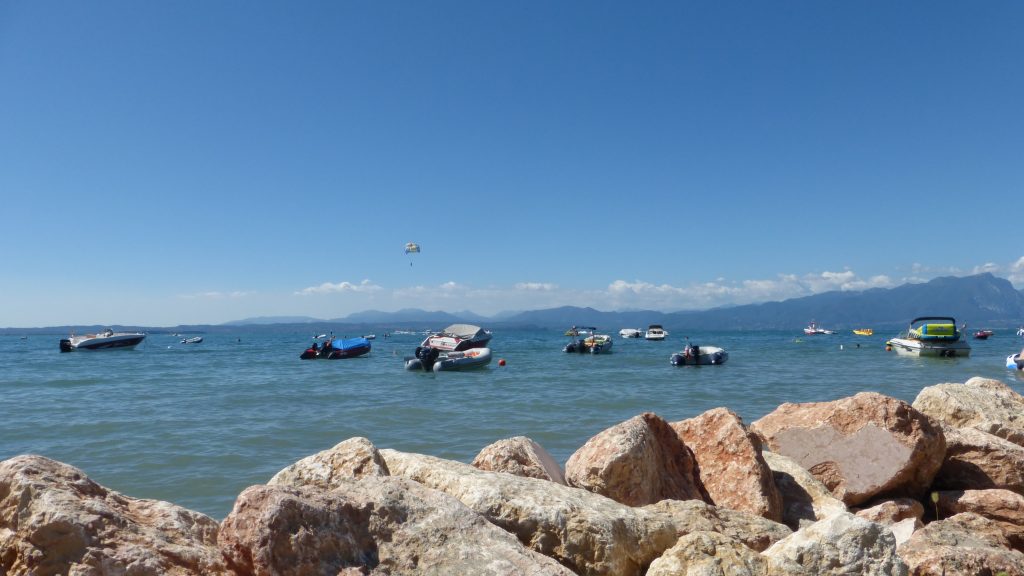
(864, 332)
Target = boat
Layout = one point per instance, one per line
(864, 332)
(931, 336)
(693, 355)
(655, 332)
(589, 342)
(813, 328)
(192, 340)
(1015, 362)
(983, 334)
(457, 338)
(430, 359)
(372, 336)
(105, 340)
(631, 332)
(336, 349)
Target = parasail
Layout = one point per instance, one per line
(411, 247)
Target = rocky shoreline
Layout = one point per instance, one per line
(862, 485)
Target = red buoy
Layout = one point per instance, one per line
(501, 362)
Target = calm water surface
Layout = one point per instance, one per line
(196, 424)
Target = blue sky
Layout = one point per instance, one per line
(201, 162)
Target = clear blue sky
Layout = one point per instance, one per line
(201, 162)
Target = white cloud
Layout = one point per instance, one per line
(986, 267)
(1016, 275)
(329, 288)
(536, 286)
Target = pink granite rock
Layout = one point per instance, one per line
(1003, 507)
(888, 512)
(966, 544)
(520, 456)
(55, 520)
(354, 458)
(861, 447)
(976, 459)
(640, 461)
(980, 403)
(730, 463)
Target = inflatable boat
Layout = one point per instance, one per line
(433, 360)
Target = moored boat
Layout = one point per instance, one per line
(983, 334)
(106, 340)
(192, 340)
(813, 329)
(655, 332)
(933, 336)
(457, 338)
(336, 349)
(864, 332)
(693, 355)
(584, 339)
(631, 332)
(1015, 362)
(435, 360)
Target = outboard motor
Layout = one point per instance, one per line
(427, 356)
(65, 345)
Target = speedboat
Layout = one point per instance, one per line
(693, 355)
(370, 336)
(1015, 362)
(106, 340)
(655, 332)
(864, 332)
(631, 332)
(458, 337)
(435, 360)
(590, 342)
(336, 349)
(931, 336)
(983, 334)
(813, 328)
(192, 340)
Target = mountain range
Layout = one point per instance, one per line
(982, 300)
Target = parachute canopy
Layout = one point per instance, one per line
(412, 247)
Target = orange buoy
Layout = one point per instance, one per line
(501, 362)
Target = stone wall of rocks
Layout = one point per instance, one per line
(862, 485)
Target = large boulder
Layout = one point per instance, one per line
(1003, 507)
(861, 447)
(980, 403)
(962, 544)
(637, 462)
(976, 459)
(730, 464)
(520, 456)
(354, 458)
(855, 545)
(587, 532)
(805, 500)
(888, 512)
(375, 525)
(712, 554)
(55, 520)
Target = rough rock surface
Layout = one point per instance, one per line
(862, 447)
(637, 462)
(805, 499)
(55, 520)
(980, 403)
(730, 463)
(587, 532)
(976, 459)
(842, 544)
(353, 458)
(376, 525)
(712, 554)
(1003, 507)
(963, 544)
(520, 456)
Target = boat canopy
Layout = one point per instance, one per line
(464, 331)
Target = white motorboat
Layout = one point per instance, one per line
(655, 332)
(934, 336)
(585, 339)
(106, 340)
(693, 355)
(813, 329)
(434, 360)
(457, 338)
(1015, 362)
(631, 332)
(192, 340)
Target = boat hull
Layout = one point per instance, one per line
(117, 341)
(450, 361)
(926, 349)
(704, 356)
(339, 349)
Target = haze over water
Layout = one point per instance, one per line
(197, 424)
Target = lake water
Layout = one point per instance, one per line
(196, 424)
